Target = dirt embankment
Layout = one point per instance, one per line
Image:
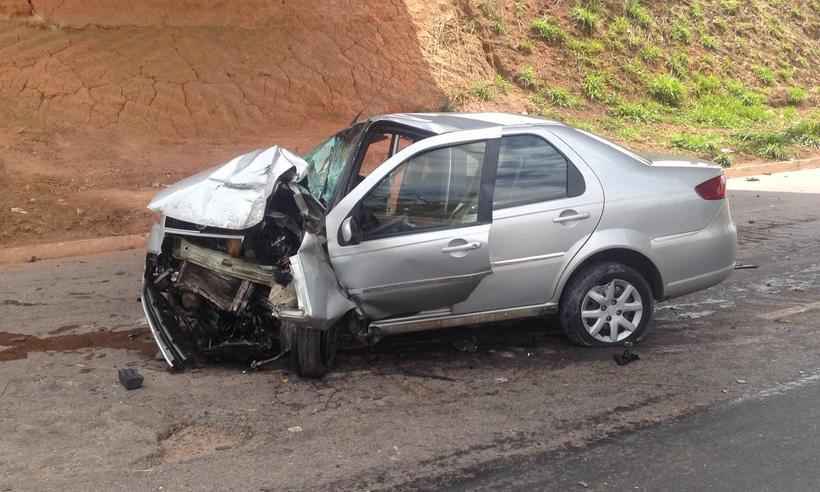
(103, 102)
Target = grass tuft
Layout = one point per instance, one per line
(585, 47)
(681, 32)
(527, 78)
(585, 19)
(796, 96)
(650, 53)
(765, 75)
(559, 97)
(667, 89)
(637, 112)
(547, 29)
(638, 13)
(594, 86)
(483, 90)
(679, 64)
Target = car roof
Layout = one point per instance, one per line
(450, 122)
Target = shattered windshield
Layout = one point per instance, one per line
(328, 160)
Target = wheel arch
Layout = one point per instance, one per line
(626, 256)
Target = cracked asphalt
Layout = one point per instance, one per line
(412, 413)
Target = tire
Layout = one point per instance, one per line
(314, 351)
(579, 313)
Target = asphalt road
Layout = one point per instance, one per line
(412, 413)
(766, 443)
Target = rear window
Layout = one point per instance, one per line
(617, 147)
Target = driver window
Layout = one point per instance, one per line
(378, 150)
(436, 189)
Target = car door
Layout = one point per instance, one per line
(546, 204)
(420, 226)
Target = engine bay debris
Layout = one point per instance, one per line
(238, 260)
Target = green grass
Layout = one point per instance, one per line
(502, 85)
(797, 96)
(698, 143)
(640, 112)
(697, 10)
(705, 146)
(636, 71)
(667, 89)
(706, 84)
(620, 26)
(483, 90)
(546, 29)
(780, 145)
(709, 42)
(527, 78)
(559, 97)
(650, 53)
(747, 96)
(681, 32)
(585, 19)
(725, 111)
(765, 75)
(585, 47)
(679, 64)
(731, 7)
(595, 86)
(638, 13)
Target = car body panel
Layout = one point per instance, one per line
(410, 272)
(528, 248)
(232, 195)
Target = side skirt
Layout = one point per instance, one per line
(411, 324)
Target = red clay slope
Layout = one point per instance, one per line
(102, 102)
(206, 67)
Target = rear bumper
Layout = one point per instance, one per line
(696, 261)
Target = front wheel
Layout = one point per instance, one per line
(314, 351)
(606, 304)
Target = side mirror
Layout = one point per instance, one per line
(349, 232)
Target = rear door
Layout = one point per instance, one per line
(546, 204)
(422, 222)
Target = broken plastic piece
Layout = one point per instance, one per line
(627, 357)
(130, 378)
(745, 266)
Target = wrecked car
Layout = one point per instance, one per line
(413, 222)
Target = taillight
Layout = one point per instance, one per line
(714, 189)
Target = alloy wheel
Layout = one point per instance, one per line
(611, 312)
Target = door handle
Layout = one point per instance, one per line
(569, 218)
(461, 247)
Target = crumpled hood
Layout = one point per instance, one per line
(233, 195)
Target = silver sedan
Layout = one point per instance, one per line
(412, 222)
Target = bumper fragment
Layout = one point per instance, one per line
(172, 354)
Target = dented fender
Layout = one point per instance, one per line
(322, 301)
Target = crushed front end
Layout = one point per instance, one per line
(238, 262)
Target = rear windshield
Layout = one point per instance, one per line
(618, 148)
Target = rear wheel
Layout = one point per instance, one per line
(314, 351)
(606, 304)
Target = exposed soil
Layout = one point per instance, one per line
(188, 442)
(103, 103)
